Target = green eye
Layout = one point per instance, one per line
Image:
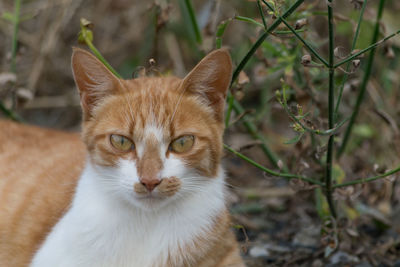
(121, 142)
(182, 144)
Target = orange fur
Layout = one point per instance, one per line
(39, 168)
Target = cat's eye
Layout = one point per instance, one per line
(182, 144)
(121, 142)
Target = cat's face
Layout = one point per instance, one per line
(153, 140)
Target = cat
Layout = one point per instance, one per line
(144, 188)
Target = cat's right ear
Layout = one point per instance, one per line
(94, 80)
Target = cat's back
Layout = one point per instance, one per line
(39, 169)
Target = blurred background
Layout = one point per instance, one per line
(278, 222)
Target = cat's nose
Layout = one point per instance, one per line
(150, 184)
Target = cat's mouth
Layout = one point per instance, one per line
(167, 188)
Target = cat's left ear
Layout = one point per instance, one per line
(94, 80)
(211, 79)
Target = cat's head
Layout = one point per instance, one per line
(153, 140)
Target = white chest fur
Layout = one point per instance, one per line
(99, 230)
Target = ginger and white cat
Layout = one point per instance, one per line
(144, 188)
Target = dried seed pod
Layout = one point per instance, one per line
(152, 61)
(355, 51)
(357, 3)
(243, 78)
(337, 52)
(390, 53)
(24, 95)
(306, 60)
(300, 23)
(356, 63)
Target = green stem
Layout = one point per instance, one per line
(364, 83)
(346, 75)
(329, 155)
(193, 20)
(9, 113)
(100, 57)
(307, 45)
(261, 39)
(371, 47)
(252, 129)
(308, 129)
(13, 66)
(262, 14)
(370, 179)
(271, 172)
(249, 20)
(233, 104)
(14, 47)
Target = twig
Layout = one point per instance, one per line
(87, 35)
(346, 75)
(9, 112)
(364, 83)
(193, 20)
(233, 104)
(271, 172)
(262, 14)
(17, 9)
(371, 47)
(329, 153)
(370, 179)
(307, 45)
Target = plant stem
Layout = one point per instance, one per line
(371, 47)
(346, 75)
(100, 57)
(261, 39)
(364, 83)
(13, 66)
(14, 47)
(370, 179)
(193, 20)
(307, 45)
(233, 104)
(9, 113)
(329, 155)
(271, 172)
(252, 129)
(261, 14)
(308, 129)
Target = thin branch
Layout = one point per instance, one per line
(233, 104)
(17, 9)
(307, 45)
(14, 47)
(252, 129)
(364, 83)
(271, 172)
(261, 14)
(346, 75)
(370, 179)
(371, 47)
(86, 35)
(193, 20)
(329, 153)
(261, 39)
(329, 132)
(9, 113)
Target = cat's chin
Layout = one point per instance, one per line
(149, 202)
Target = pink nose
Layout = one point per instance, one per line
(150, 184)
